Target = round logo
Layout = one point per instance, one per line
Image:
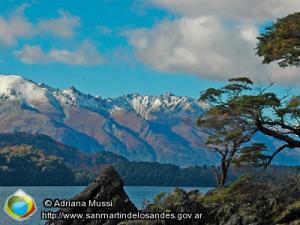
(20, 206)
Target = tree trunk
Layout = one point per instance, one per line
(224, 174)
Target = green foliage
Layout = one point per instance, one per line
(211, 95)
(281, 42)
(252, 155)
(241, 110)
(156, 174)
(246, 200)
(172, 202)
(158, 198)
(243, 80)
(222, 195)
(238, 183)
(26, 165)
(85, 166)
(71, 155)
(228, 130)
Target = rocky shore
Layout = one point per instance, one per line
(245, 202)
(107, 187)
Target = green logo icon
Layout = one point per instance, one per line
(20, 206)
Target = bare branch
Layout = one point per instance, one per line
(266, 88)
(280, 149)
(288, 93)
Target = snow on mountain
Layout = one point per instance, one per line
(16, 88)
(139, 127)
(155, 107)
(71, 96)
(134, 126)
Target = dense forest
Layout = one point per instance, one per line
(156, 174)
(39, 160)
(70, 155)
(35, 156)
(26, 165)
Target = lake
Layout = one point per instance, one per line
(136, 194)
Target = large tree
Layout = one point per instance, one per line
(280, 43)
(229, 133)
(262, 110)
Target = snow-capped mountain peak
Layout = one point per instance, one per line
(15, 87)
(151, 107)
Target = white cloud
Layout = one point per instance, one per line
(16, 26)
(31, 54)
(205, 46)
(86, 55)
(238, 10)
(64, 26)
(13, 28)
(212, 39)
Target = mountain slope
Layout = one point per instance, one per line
(73, 157)
(149, 128)
(48, 162)
(39, 169)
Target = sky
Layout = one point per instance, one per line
(115, 47)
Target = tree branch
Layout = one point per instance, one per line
(283, 125)
(289, 140)
(280, 149)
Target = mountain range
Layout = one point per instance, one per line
(149, 128)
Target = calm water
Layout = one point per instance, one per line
(136, 194)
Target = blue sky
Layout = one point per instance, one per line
(115, 47)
